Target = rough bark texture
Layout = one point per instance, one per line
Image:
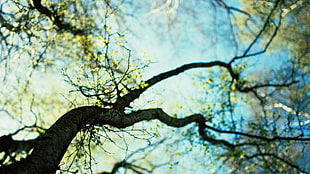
(52, 146)
(50, 149)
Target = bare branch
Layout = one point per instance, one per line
(51, 147)
(159, 114)
(283, 160)
(258, 36)
(130, 165)
(229, 8)
(252, 88)
(128, 98)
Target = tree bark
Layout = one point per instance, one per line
(51, 147)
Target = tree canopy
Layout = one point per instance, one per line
(208, 86)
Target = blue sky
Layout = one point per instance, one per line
(202, 37)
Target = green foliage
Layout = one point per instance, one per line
(84, 41)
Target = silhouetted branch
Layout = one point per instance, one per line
(248, 89)
(130, 165)
(229, 8)
(278, 158)
(159, 114)
(11, 147)
(56, 19)
(4, 23)
(258, 36)
(125, 100)
(54, 143)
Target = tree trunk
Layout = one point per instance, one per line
(51, 147)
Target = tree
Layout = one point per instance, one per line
(247, 121)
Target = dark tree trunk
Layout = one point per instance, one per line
(50, 149)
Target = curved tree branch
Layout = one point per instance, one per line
(51, 147)
(128, 98)
(252, 88)
(56, 19)
(125, 100)
(12, 147)
(283, 160)
(259, 35)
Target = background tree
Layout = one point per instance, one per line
(247, 116)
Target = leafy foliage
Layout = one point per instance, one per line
(251, 118)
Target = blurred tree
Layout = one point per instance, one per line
(250, 118)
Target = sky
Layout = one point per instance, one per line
(190, 39)
(170, 48)
(196, 38)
